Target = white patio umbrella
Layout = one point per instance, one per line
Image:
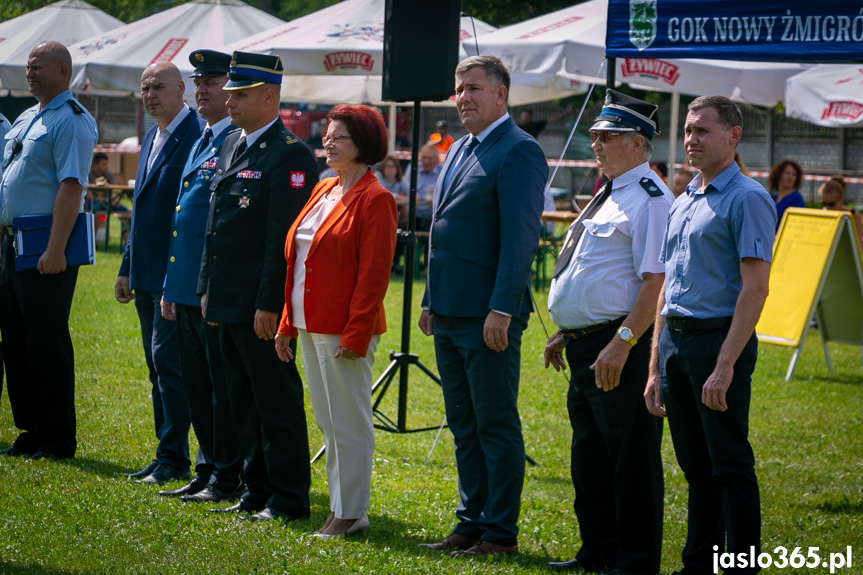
(335, 55)
(66, 21)
(828, 95)
(112, 64)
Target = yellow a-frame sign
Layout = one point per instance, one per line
(816, 273)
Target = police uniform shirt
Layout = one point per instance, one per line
(620, 243)
(5, 126)
(56, 143)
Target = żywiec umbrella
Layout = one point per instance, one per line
(66, 21)
(828, 95)
(111, 64)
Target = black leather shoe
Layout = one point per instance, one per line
(144, 472)
(14, 451)
(572, 565)
(235, 508)
(268, 513)
(212, 494)
(163, 474)
(51, 456)
(197, 484)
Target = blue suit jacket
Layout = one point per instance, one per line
(485, 227)
(153, 204)
(190, 223)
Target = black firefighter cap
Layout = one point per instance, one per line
(249, 70)
(622, 113)
(209, 63)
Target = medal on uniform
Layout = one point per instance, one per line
(244, 202)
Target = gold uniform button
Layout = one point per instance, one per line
(175, 233)
(186, 184)
(177, 208)
(172, 259)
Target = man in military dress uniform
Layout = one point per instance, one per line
(265, 176)
(603, 298)
(220, 462)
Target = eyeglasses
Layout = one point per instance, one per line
(828, 204)
(334, 139)
(603, 136)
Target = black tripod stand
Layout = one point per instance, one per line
(400, 361)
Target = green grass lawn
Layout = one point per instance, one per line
(80, 516)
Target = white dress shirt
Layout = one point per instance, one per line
(621, 242)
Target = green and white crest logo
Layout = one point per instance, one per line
(642, 23)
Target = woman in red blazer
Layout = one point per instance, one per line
(339, 253)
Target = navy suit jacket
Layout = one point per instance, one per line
(485, 226)
(153, 205)
(190, 222)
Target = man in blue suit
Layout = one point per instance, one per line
(484, 233)
(219, 462)
(164, 151)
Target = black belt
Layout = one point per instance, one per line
(583, 331)
(695, 324)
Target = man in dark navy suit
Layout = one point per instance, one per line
(219, 462)
(164, 151)
(484, 233)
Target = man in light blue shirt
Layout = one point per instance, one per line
(45, 166)
(717, 255)
(427, 175)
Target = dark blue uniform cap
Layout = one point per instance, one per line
(622, 113)
(249, 70)
(209, 63)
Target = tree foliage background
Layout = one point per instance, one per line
(495, 12)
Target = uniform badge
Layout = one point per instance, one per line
(199, 57)
(249, 175)
(298, 179)
(244, 202)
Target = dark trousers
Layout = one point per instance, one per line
(712, 447)
(480, 390)
(616, 460)
(40, 360)
(170, 407)
(266, 397)
(207, 394)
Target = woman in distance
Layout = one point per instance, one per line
(339, 252)
(784, 181)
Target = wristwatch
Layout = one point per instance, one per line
(626, 335)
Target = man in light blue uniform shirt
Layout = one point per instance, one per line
(717, 256)
(219, 462)
(45, 166)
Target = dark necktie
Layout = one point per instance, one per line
(578, 229)
(241, 147)
(208, 136)
(472, 143)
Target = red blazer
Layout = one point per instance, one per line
(348, 264)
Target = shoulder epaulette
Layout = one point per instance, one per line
(650, 187)
(75, 107)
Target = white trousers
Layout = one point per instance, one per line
(341, 394)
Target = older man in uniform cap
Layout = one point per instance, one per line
(264, 177)
(603, 298)
(219, 463)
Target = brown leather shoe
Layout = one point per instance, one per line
(486, 548)
(451, 541)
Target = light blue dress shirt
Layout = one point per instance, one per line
(709, 232)
(56, 144)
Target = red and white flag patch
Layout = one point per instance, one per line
(298, 179)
